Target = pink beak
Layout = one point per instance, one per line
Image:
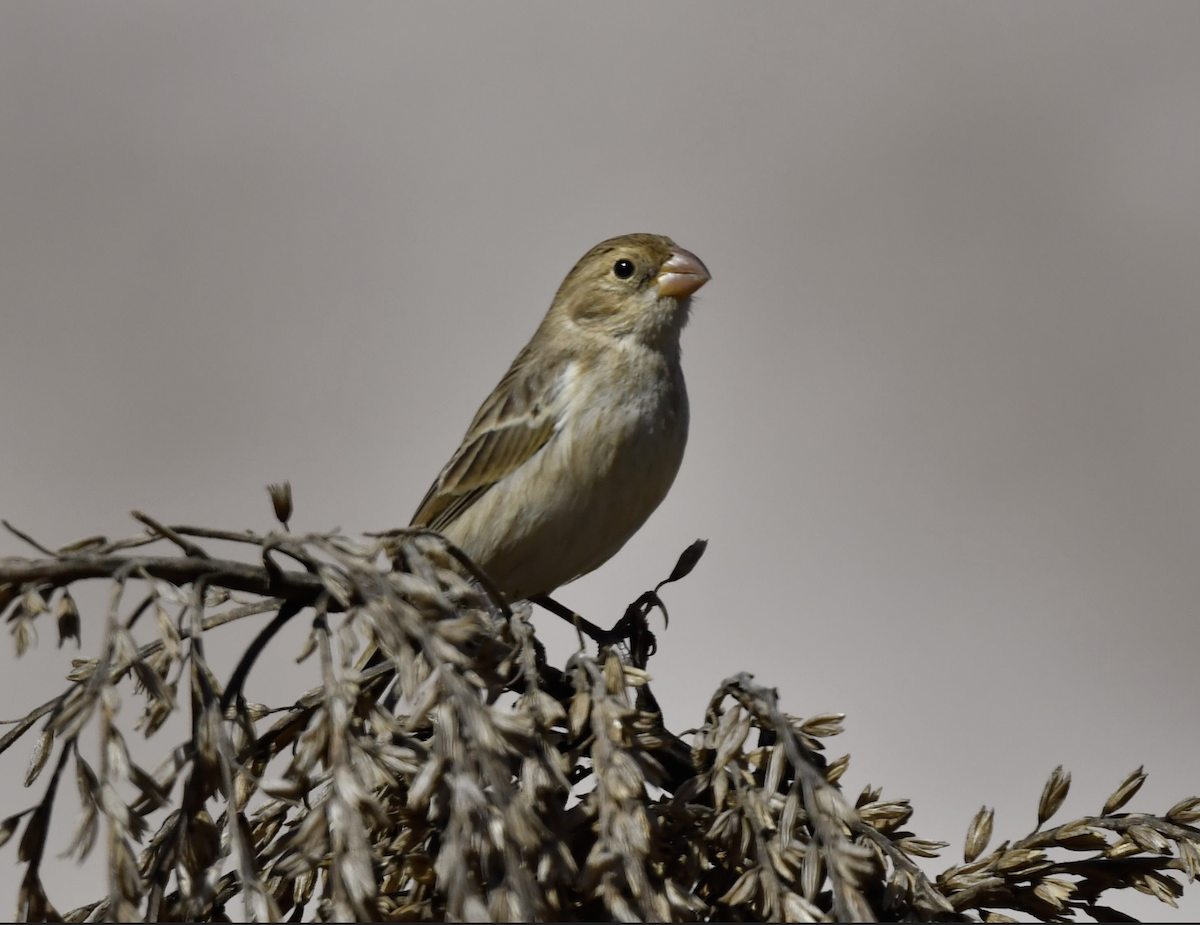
(682, 274)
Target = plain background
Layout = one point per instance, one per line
(944, 382)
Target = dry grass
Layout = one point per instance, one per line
(462, 777)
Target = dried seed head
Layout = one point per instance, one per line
(485, 778)
(1124, 793)
(24, 634)
(731, 735)
(921, 847)
(979, 833)
(68, 619)
(41, 751)
(614, 677)
(1189, 854)
(1054, 892)
(823, 725)
(1079, 836)
(82, 669)
(743, 889)
(1159, 886)
(8, 827)
(837, 768)
(886, 815)
(1053, 793)
(775, 766)
(686, 562)
(1125, 847)
(812, 872)
(1148, 839)
(1022, 861)
(281, 501)
(581, 708)
(33, 603)
(1185, 811)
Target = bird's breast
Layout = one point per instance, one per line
(625, 427)
(615, 452)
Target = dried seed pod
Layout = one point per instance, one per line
(614, 676)
(1053, 794)
(67, 615)
(1079, 836)
(1055, 892)
(1021, 861)
(812, 872)
(921, 847)
(581, 709)
(823, 725)
(1124, 793)
(1185, 812)
(41, 752)
(743, 889)
(837, 768)
(1148, 839)
(979, 833)
(887, 814)
(1189, 854)
(33, 604)
(23, 632)
(8, 827)
(281, 501)
(775, 767)
(1159, 886)
(686, 562)
(1123, 848)
(735, 726)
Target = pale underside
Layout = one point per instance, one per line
(560, 468)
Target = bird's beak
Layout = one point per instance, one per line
(682, 274)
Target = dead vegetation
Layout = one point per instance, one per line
(462, 777)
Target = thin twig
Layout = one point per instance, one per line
(29, 539)
(189, 548)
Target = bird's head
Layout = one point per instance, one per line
(637, 285)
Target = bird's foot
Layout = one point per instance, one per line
(632, 628)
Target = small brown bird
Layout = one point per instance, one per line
(582, 438)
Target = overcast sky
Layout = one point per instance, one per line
(945, 441)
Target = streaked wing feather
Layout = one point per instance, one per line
(513, 424)
(454, 505)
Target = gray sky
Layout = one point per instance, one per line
(944, 384)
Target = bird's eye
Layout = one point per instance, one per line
(623, 269)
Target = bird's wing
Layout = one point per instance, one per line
(514, 423)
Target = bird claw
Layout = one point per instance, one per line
(633, 629)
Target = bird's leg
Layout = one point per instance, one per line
(601, 637)
(634, 627)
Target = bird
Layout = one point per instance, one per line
(582, 438)
(578, 443)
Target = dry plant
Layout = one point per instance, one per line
(460, 776)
